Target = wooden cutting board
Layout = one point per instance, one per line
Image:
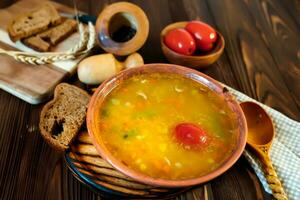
(33, 84)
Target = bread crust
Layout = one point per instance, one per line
(45, 40)
(82, 99)
(53, 18)
(65, 29)
(37, 44)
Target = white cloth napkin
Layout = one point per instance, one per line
(284, 153)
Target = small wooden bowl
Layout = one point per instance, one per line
(195, 61)
(106, 87)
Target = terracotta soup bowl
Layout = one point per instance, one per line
(101, 94)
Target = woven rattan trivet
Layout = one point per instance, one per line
(86, 164)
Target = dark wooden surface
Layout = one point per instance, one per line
(261, 59)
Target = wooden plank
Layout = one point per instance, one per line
(277, 27)
(29, 168)
(252, 62)
(291, 8)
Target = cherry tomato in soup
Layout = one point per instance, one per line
(205, 36)
(180, 41)
(191, 136)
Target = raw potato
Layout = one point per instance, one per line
(96, 69)
(134, 60)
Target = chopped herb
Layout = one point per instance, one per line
(129, 134)
(125, 136)
(104, 113)
(194, 91)
(115, 101)
(145, 114)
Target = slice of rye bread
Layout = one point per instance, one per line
(49, 38)
(59, 32)
(33, 22)
(62, 117)
(37, 43)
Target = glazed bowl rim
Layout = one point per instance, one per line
(167, 68)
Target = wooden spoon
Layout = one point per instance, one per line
(260, 136)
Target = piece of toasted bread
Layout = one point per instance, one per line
(37, 43)
(59, 32)
(51, 37)
(33, 22)
(62, 117)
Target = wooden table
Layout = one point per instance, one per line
(261, 59)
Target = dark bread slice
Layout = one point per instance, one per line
(43, 41)
(58, 33)
(37, 44)
(62, 117)
(33, 22)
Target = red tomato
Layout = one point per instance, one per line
(205, 36)
(191, 136)
(180, 41)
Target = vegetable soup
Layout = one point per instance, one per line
(167, 126)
